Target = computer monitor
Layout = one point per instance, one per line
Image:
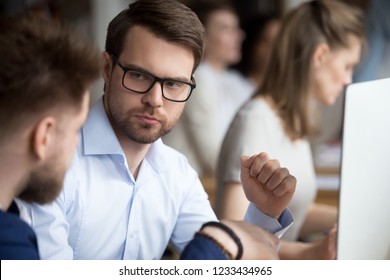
(364, 202)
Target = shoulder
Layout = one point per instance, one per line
(255, 110)
(253, 126)
(17, 239)
(165, 157)
(173, 171)
(170, 153)
(11, 222)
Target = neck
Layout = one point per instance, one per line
(134, 152)
(215, 63)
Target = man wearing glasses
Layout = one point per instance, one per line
(127, 195)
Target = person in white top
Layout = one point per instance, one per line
(313, 59)
(219, 91)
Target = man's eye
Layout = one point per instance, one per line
(137, 75)
(174, 84)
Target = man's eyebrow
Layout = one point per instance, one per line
(145, 71)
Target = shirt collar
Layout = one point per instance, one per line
(99, 138)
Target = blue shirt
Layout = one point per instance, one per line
(104, 213)
(202, 248)
(17, 239)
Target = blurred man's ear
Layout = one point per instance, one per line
(106, 67)
(42, 137)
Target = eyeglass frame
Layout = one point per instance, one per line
(156, 79)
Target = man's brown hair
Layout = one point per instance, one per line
(167, 19)
(44, 65)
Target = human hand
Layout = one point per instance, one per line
(323, 248)
(267, 185)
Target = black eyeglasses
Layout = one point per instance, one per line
(141, 82)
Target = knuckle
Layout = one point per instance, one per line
(281, 173)
(263, 156)
(268, 167)
(285, 171)
(291, 182)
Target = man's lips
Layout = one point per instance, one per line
(148, 119)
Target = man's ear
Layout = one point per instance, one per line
(106, 66)
(43, 136)
(320, 54)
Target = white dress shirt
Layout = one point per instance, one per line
(103, 213)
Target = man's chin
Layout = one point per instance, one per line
(148, 137)
(41, 193)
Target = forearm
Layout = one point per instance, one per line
(319, 218)
(292, 250)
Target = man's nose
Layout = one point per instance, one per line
(154, 97)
